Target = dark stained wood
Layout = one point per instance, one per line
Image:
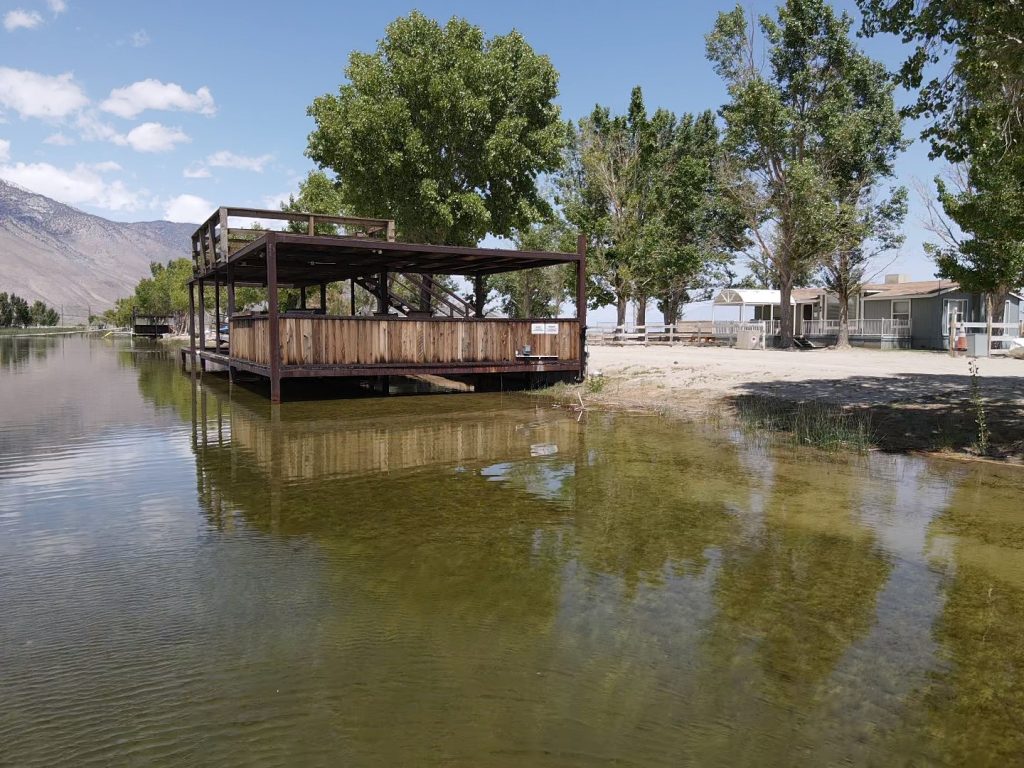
(581, 299)
(402, 278)
(273, 333)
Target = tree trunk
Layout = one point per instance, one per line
(641, 310)
(620, 309)
(843, 339)
(786, 308)
(670, 310)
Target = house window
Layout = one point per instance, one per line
(901, 310)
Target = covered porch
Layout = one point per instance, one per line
(418, 326)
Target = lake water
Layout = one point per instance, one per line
(189, 576)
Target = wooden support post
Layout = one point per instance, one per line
(581, 299)
(230, 278)
(323, 298)
(216, 313)
(274, 327)
(192, 326)
(426, 294)
(352, 297)
(382, 293)
(479, 296)
(302, 297)
(202, 322)
(225, 247)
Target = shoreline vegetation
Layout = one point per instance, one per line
(848, 401)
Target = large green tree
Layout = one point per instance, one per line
(810, 136)
(696, 229)
(537, 292)
(643, 188)
(444, 130)
(966, 67)
(978, 247)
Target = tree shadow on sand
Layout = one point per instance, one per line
(913, 411)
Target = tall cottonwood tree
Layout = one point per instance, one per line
(443, 130)
(967, 71)
(810, 136)
(605, 192)
(643, 188)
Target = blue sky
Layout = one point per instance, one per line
(139, 111)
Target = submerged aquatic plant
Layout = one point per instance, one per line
(819, 424)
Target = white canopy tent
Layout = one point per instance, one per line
(754, 297)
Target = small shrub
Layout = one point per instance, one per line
(979, 408)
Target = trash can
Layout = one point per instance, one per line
(977, 345)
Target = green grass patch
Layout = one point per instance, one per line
(827, 426)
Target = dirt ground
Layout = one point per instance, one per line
(917, 400)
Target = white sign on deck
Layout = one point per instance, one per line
(544, 329)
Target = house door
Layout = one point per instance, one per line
(953, 307)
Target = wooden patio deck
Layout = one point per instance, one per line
(311, 343)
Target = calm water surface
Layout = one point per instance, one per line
(190, 577)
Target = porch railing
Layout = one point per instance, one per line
(861, 327)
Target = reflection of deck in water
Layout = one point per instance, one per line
(357, 443)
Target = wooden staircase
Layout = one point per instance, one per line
(402, 286)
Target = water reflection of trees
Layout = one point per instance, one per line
(525, 575)
(975, 705)
(17, 351)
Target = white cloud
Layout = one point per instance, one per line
(57, 7)
(83, 184)
(107, 166)
(5, 150)
(31, 94)
(21, 19)
(153, 137)
(139, 39)
(58, 139)
(190, 209)
(133, 99)
(196, 172)
(226, 159)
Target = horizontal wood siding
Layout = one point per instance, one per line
(367, 341)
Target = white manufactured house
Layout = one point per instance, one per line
(898, 313)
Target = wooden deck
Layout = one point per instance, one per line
(318, 250)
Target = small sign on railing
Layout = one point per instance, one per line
(544, 329)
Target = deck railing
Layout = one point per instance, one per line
(323, 340)
(215, 240)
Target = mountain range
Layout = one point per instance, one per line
(62, 255)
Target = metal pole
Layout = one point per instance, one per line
(274, 330)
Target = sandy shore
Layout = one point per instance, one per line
(919, 400)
